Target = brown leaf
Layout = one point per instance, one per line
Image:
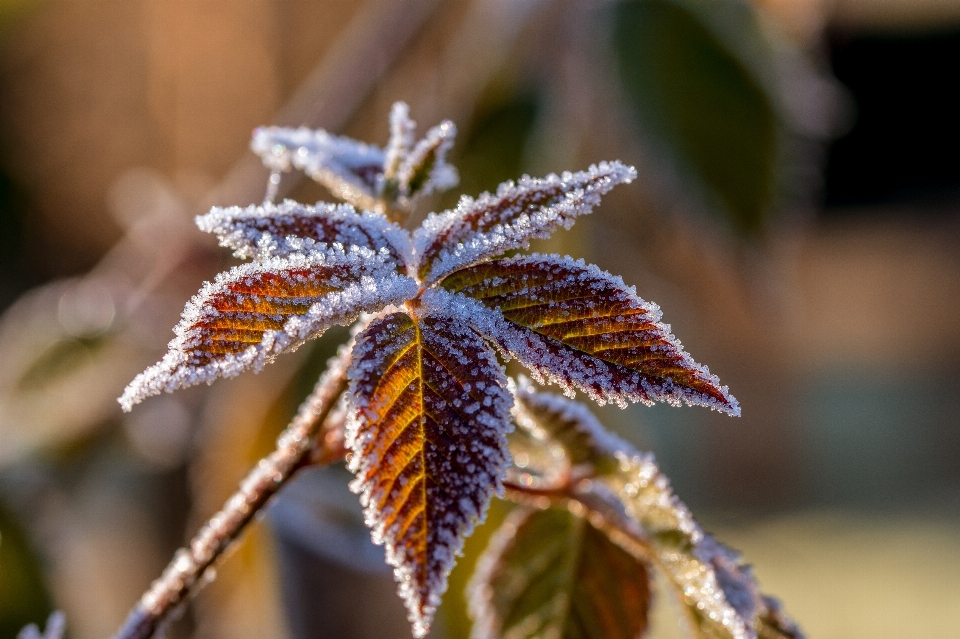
(428, 445)
(486, 227)
(256, 311)
(550, 573)
(582, 328)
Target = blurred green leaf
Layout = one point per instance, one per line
(23, 596)
(700, 101)
(59, 360)
(550, 573)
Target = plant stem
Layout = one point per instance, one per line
(192, 567)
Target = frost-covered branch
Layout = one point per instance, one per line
(191, 567)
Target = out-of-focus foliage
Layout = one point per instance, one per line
(23, 596)
(702, 102)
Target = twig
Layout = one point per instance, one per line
(191, 567)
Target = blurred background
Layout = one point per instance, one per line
(797, 218)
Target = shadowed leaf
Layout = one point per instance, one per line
(550, 573)
(256, 311)
(428, 445)
(486, 227)
(275, 230)
(718, 593)
(582, 328)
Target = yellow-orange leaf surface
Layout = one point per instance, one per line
(583, 328)
(256, 311)
(428, 445)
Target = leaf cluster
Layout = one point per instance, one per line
(430, 420)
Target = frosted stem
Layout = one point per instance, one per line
(191, 567)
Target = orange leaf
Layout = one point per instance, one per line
(428, 445)
(256, 311)
(582, 328)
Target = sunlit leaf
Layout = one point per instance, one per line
(493, 224)
(582, 328)
(701, 102)
(256, 311)
(550, 573)
(273, 230)
(428, 445)
(717, 591)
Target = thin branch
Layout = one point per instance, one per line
(191, 567)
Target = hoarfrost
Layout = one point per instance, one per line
(425, 468)
(483, 228)
(636, 357)
(351, 170)
(56, 628)
(252, 313)
(364, 174)
(273, 230)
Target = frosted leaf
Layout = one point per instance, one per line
(550, 573)
(717, 589)
(351, 170)
(252, 313)
(426, 170)
(581, 328)
(428, 445)
(363, 174)
(486, 227)
(402, 130)
(274, 230)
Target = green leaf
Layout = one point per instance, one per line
(23, 596)
(700, 100)
(550, 573)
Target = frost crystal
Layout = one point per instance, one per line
(491, 225)
(363, 174)
(430, 406)
(275, 230)
(350, 169)
(256, 311)
(581, 328)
